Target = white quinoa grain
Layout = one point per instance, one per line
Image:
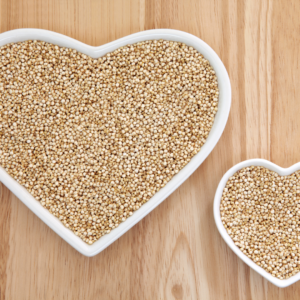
(94, 139)
(260, 211)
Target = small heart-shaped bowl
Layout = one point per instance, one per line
(20, 35)
(248, 163)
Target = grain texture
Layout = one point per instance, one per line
(176, 251)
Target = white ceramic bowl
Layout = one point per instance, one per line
(95, 52)
(251, 162)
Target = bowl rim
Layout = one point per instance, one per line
(217, 200)
(19, 35)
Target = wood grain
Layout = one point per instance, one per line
(176, 251)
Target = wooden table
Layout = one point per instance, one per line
(176, 252)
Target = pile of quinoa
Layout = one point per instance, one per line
(94, 139)
(261, 212)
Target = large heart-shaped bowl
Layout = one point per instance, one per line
(251, 162)
(95, 52)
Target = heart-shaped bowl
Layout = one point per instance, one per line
(248, 163)
(20, 35)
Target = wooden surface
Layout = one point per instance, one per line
(176, 251)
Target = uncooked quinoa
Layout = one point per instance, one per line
(261, 212)
(94, 139)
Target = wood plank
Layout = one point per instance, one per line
(5, 214)
(285, 83)
(175, 252)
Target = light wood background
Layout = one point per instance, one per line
(176, 252)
